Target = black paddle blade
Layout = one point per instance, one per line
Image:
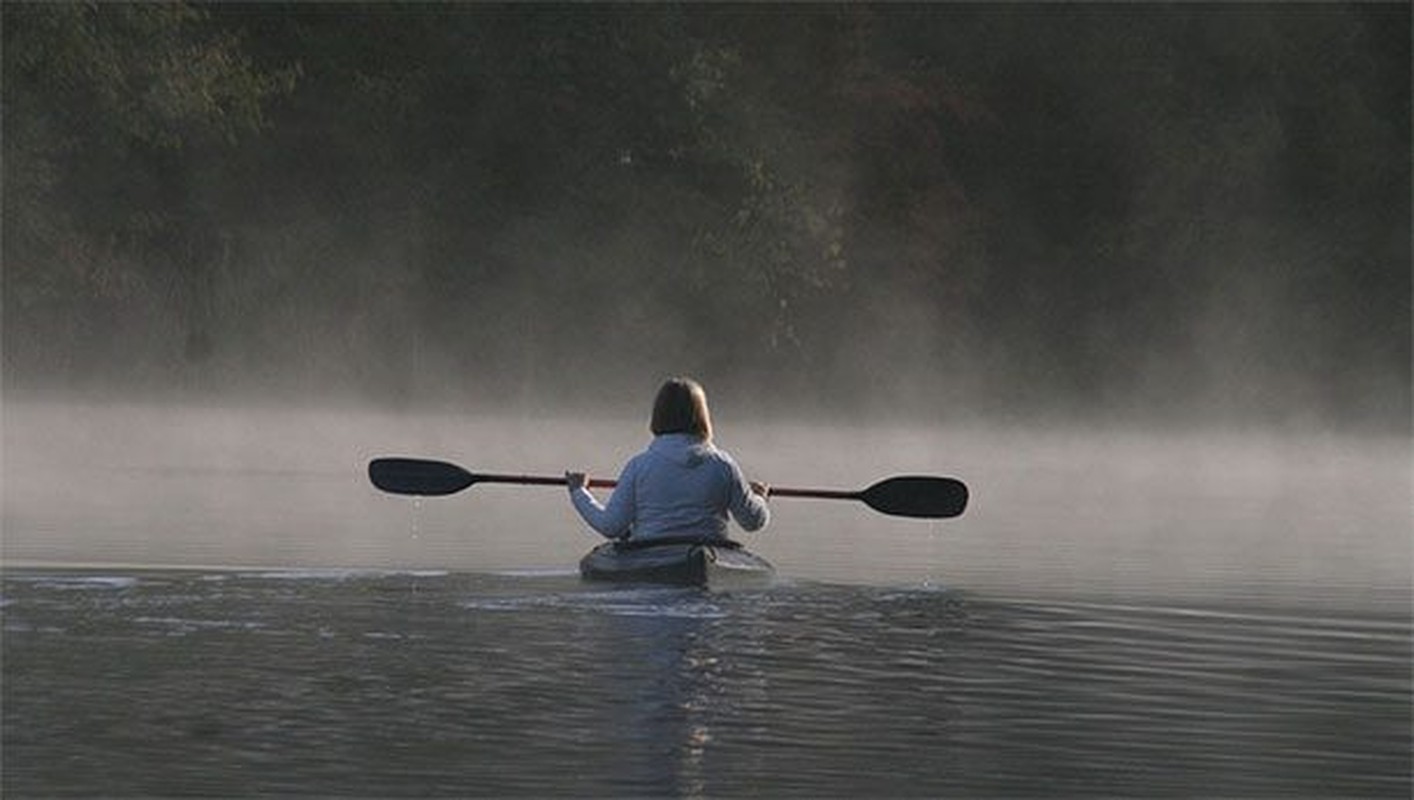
(917, 496)
(418, 476)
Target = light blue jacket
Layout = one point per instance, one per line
(679, 486)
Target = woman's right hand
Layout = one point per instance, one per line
(575, 480)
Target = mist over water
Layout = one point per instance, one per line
(1139, 274)
(1251, 516)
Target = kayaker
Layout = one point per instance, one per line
(681, 486)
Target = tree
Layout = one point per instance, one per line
(109, 108)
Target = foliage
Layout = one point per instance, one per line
(1024, 205)
(109, 109)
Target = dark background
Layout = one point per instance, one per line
(1159, 212)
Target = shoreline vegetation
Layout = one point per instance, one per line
(1190, 212)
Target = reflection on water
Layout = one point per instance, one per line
(381, 683)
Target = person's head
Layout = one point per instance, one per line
(681, 407)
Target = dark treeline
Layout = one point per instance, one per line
(1181, 210)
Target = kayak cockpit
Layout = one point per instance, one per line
(681, 562)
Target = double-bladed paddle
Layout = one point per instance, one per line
(905, 496)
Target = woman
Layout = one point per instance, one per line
(681, 486)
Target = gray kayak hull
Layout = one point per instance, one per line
(675, 562)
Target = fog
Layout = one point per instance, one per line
(1089, 514)
(1139, 275)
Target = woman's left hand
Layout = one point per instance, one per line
(763, 489)
(576, 480)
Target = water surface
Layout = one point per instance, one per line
(132, 682)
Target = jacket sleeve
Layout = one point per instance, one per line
(748, 508)
(616, 517)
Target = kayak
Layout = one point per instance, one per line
(683, 563)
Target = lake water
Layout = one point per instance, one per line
(213, 601)
(140, 683)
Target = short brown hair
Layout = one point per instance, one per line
(681, 407)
